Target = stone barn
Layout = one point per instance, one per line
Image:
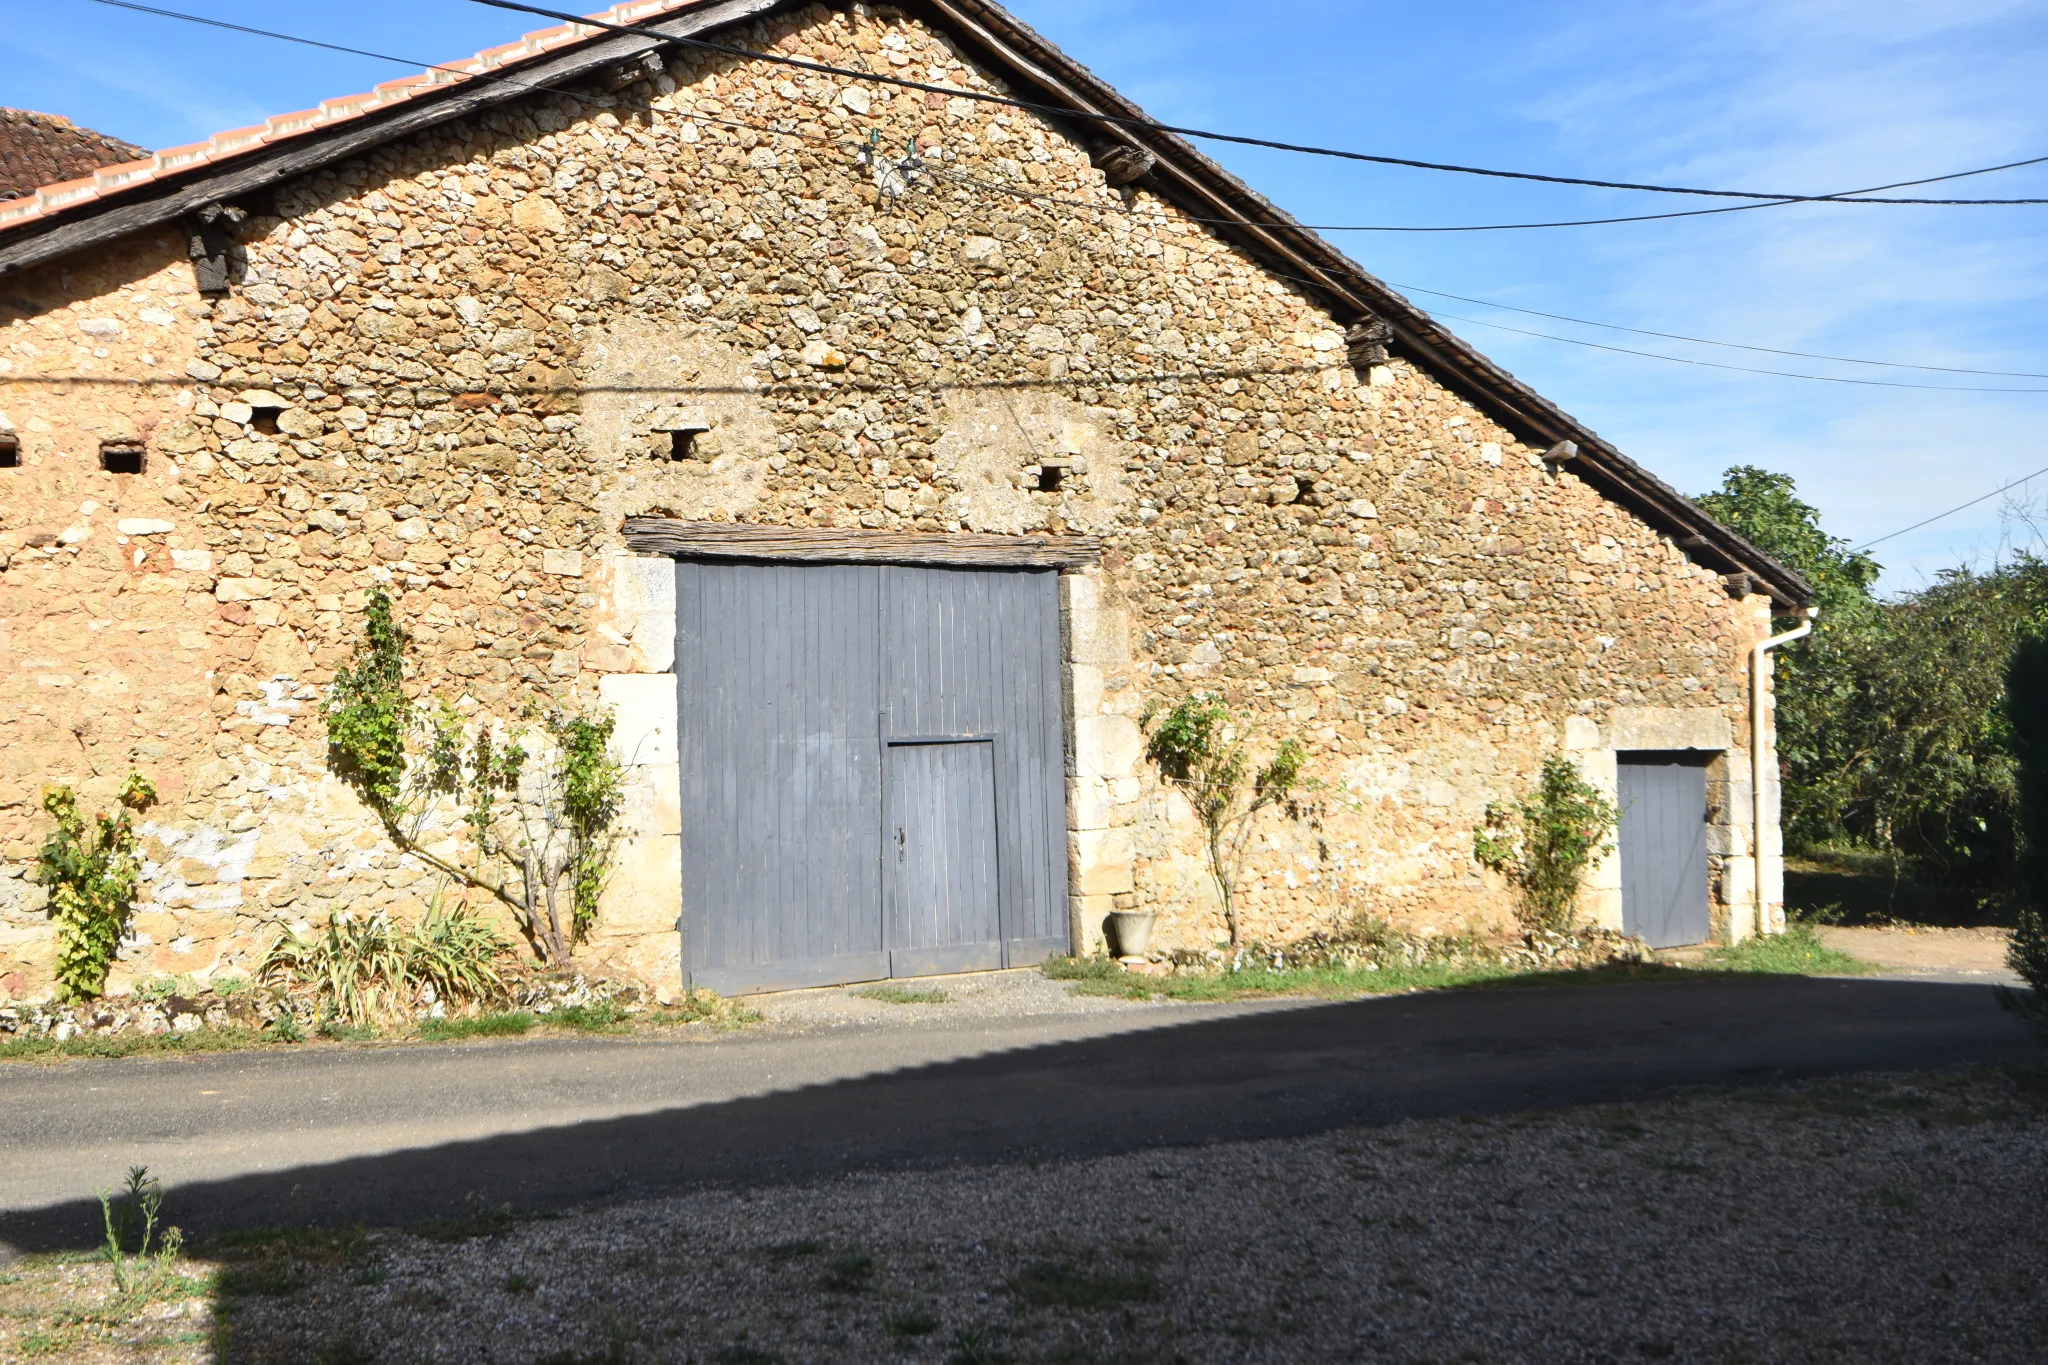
(878, 453)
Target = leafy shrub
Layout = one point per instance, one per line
(1547, 843)
(2026, 708)
(90, 871)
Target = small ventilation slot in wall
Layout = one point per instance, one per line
(682, 426)
(1051, 477)
(264, 420)
(122, 457)
(10, 450)
(1304, 492)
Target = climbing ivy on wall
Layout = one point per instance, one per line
(542, 821)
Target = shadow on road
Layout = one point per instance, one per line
(1272, 1074)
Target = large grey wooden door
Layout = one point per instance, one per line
(1663, 837)
(939, 849)
(824, 708)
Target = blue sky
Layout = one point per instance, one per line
(1804, 95)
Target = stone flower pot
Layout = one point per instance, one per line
(1130, 932)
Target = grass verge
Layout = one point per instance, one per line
(132, 1044)
(1798, 952)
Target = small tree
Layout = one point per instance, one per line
(1547, 842)
(90, 870)
(1197, 748)
(541, 823)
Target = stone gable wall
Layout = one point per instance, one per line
(451, 366)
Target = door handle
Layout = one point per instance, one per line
(899, 841)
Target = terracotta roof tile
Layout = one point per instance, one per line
(42, 149)
(46, 183)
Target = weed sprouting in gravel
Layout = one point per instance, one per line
(973, 1348)
(848, 1273)
(902, 995)
(739, 1353)
(1060, 1284)
(792, 1251)
(914, 1320)
(516, 1283)
(480, 1220)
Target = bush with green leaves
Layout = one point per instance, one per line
(90, 869)
(540, 809)
(1199, 749)
(1547, 842)
(2026, 717)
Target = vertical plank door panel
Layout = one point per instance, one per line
(1663, 838)
(976, 653)
(777, 675)
(939, 849)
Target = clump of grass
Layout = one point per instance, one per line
(902, 995)
(506, 1024)
(914, 1320)
(1796, 952)
(1063, 968)
(605, 1016)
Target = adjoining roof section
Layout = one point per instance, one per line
(62, 218)
(39, 149)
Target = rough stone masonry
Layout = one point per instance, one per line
(450, 366)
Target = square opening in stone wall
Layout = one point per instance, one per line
(122, 457)
(10, 450)
(264, 420)
(682, 445)
(1051, 477)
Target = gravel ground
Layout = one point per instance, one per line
(1872, 1219)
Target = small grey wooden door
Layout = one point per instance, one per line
(939, 849)
(824, 708)
(1663, 838)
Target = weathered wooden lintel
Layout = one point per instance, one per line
(730, 540)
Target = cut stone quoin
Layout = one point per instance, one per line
(479, 335)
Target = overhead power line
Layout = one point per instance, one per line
(1741, 369)
(1151, 125)
(1940, 516)
(1733, 345)
(1844, 196)
(1022, 193)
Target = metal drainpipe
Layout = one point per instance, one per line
(1756, 755)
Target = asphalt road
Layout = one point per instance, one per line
(394, 1136)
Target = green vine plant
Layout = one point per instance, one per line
(90, 870)
(1546, 843)
(542, 822)
(1198, 748)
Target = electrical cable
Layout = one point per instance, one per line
(1733, 345)
(1939, 516)
(1150, 125)
(1844, 196)
(1742, 369)
(1032, 195)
